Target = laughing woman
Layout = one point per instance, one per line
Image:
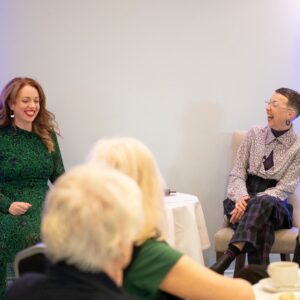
(265, 174)
(29, 157)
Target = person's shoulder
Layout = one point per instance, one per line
(159, 248)
(2, 131)
(149, 267)
(25, 287)
(258, 129)
(53, 134)
(7, 133)
(296, 142)
(257, 132)
(5, 129)
(153, 244)
(295, 135)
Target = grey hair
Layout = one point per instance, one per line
(86, 217)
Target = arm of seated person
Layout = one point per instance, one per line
(239, 210)
(189, 280)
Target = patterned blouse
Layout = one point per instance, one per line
(255, 148)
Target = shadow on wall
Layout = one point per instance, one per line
(202, 163)
(202, 151)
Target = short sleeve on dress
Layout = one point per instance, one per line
(148, 269)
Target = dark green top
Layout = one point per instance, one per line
(152, 262)
(25, 167)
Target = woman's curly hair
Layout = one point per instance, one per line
(44, 125)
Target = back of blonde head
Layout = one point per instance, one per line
(134, 159)
(86, 217)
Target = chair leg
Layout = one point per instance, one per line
(239, 262)
(285, 257)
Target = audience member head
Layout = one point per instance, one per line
(135, 160)
(42, 121)
(87, 221)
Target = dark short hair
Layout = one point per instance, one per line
(293, 98)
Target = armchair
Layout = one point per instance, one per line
(285, 239)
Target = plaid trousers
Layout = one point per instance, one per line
(264, 215)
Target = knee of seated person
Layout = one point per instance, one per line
(263, 200)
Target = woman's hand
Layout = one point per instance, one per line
(19, 208)
(239, 210)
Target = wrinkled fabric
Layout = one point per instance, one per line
(25, 168)
(254, 150)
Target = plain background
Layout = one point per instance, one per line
(179, 75)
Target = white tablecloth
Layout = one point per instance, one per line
(187, 230)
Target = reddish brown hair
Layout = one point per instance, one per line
(44, 124)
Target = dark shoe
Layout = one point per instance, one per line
(222, 264)
(252, 273)
(296, 257)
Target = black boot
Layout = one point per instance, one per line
(223, 263)
(296, 257)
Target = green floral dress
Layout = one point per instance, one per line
(25, 168)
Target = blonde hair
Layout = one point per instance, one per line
(135, 160)
(44, 124)
(86, 217)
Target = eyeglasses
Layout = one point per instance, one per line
(275, 104)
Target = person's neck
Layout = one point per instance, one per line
(24, 126)
(278, 133)
(115, 274)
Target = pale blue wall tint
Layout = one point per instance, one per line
(179, 75)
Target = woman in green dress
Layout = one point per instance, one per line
(29, 157)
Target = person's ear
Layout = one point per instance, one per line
(292, 115)
(11, 106)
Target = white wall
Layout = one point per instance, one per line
(179, 75)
